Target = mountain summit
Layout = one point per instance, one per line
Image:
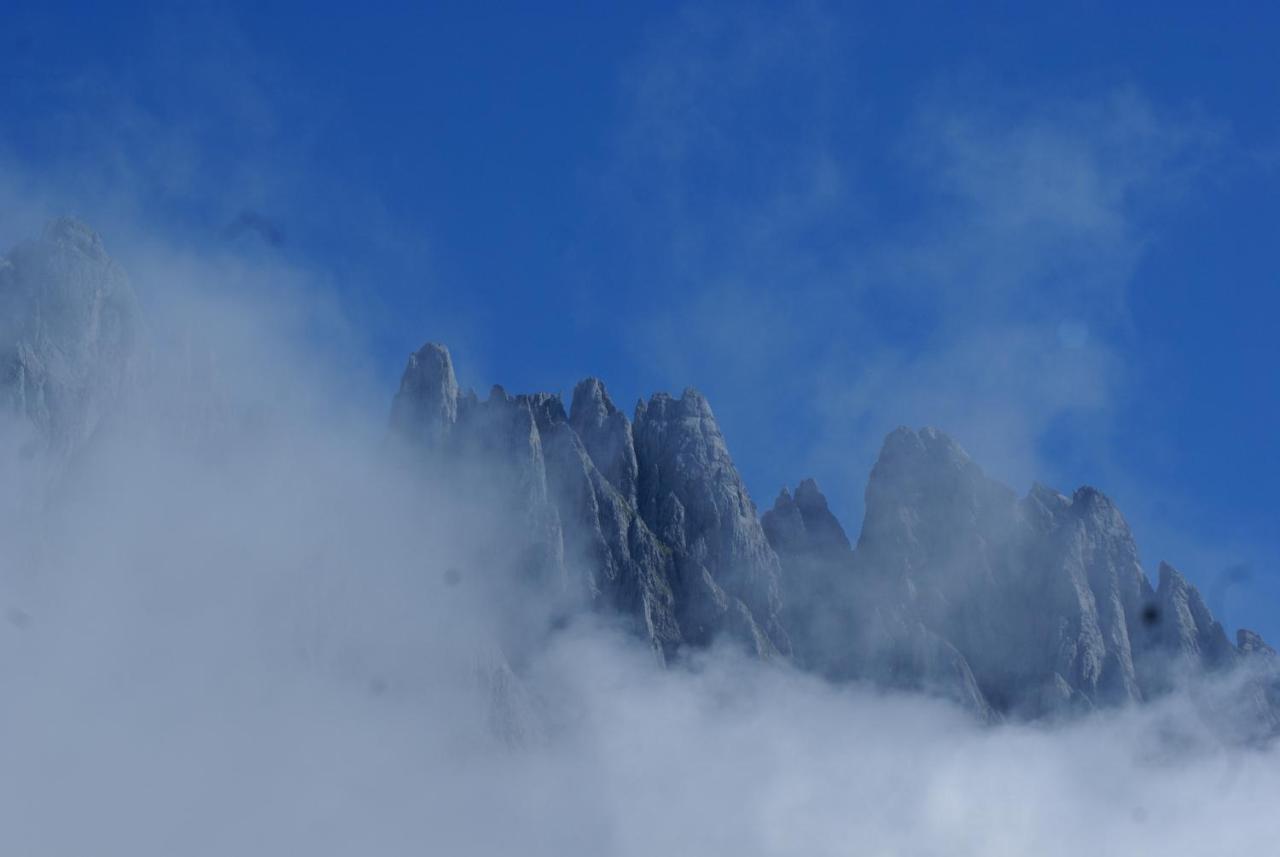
(1013, 606)
(1022, 607)
(67, 335)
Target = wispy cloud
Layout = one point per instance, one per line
(258, 648)
(963, 259)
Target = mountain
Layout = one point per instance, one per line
(647, 518)
(1040, 602)
(67, 336)
(1013, 606)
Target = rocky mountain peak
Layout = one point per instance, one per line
(818, 519)
(651, 519)
(1183, 623)
(804, 523)
(74, 235)
(685, 471)
(426, 405)
(784, 526)
(547, 409)
(1251, 643)
(591, 401)
(928, 505)
(68, 325)
(1009, 606)
(606, 434)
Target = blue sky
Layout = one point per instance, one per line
(1050, 231)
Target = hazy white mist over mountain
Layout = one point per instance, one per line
(254, 605)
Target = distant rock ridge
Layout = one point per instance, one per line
(1023, 607)
(1032, 606)
(1012, 606)
(67, 336)
(649, 519)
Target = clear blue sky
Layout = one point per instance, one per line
(1049, 229)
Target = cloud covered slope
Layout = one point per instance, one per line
(241, 615)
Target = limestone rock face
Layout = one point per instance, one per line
(1011, 606)
(1180, 632)
(649, 524)
(805, 523)
(426, 407)
(1254, 709)
(848, 622)
(67, 336)
(1250, 643)
(1078, 554)
(690, 492)
(610, 550)
(606, 434)
(1025, 606)
(1039, 594)
(490, 456)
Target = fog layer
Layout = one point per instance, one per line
(237, 622)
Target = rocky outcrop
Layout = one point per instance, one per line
(650, 524)
(850, 623)
(804, 524)
(67, 337)
(1179, 635)
(606, 436)
(426, 406)
(690, 492)
(1012, 606)
(1251, 644)
(1030, 606)
(487, 456)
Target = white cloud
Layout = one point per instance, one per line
(250, 646)
(782, 267)
(253, 650)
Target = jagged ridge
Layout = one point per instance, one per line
(1013, 606)
(648, 518)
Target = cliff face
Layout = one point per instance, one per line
(1041, 600)
(650, 520)
(67, 335)
(1012, 606)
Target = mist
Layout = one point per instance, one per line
(241, 620)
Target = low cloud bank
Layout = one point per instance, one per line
(273, 637)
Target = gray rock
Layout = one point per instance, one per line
(426, 406)
(848, 622)
(690, 492)
(1031, 606)
(1256, 706)
(606, 434)
(67, 336)
(619, 561)
(1085, 590)
(1180, 635)
(805, 523)
(1250, 643)
(658, 535)
(1034, 606)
